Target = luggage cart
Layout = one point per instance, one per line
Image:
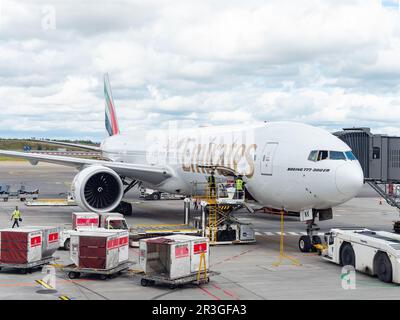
(74, 272)
(27, 267)
(148, 280)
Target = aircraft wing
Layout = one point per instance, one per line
(68, 144)
(142, 172)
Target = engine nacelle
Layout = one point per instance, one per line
(97, 188)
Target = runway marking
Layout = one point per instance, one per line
(44, 284)
(257, 233)
(269, 233)
(293, 233)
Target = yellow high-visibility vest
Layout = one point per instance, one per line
(16, 214)
(239, 185)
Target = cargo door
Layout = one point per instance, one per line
(112, 252)
(143, 255)
(197, 248)
(180, 260)
(74, 250)
(267, 158)
(35, 248)
(92, 252)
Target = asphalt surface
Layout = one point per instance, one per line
(246, 271)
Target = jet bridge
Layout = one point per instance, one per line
(379, 156)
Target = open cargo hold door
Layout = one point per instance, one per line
(267, 158)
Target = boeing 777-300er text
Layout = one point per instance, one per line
(285, 165)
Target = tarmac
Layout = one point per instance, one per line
(246, 271)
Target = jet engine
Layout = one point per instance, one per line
(97, 188)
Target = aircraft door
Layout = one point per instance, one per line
(267, 157)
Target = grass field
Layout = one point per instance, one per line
(18, 145)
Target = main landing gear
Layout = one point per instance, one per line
(307, 243)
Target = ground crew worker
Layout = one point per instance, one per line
(239, 185)
(211, 184)
(16, 216)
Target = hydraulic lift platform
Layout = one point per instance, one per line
(141, 231)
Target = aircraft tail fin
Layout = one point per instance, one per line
(111, 121)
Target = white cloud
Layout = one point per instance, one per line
(329, 63)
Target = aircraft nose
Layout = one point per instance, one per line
(349, 179)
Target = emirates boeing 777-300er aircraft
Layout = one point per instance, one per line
(285, 165)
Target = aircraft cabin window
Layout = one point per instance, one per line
(313, 155)
(350, 155)
(337, 155)
(322, 155)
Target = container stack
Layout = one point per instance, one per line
(99, 249)
(173, 256)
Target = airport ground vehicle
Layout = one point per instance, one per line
(110, 220)
(372, 252)
(21, 192)
(151, 194)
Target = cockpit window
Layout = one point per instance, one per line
(313, 155)
(337, 155)
(319, 155)
(322, 155)
(350, 155)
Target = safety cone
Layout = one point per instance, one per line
(380, 201)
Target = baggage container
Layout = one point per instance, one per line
(84, 220)
(20, 246)
(99, 249)
(173, 256)
(50, 239)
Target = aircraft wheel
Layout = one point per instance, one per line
(156, 196)
(144, 282)
(315, 240)
(305, 244)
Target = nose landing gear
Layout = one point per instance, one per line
(307, 242)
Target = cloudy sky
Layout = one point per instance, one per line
(330, 63)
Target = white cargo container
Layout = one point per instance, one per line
(172, 256)
(99, 249)
(20, 246)
(84, 220)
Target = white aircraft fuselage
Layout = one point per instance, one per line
(273, 158)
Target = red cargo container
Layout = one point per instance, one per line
(85, 220)
(20, 246)
(104, 249)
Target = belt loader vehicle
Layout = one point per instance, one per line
(372, 252)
